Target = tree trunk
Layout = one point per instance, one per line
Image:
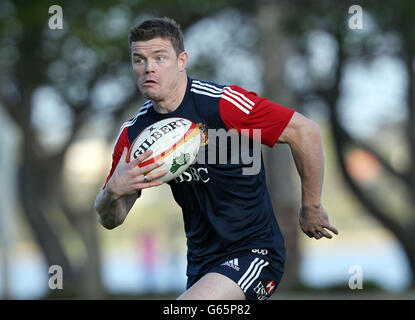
(8, 153)
(33, 194)
(411, 135)
(404, 234)
(91, 286)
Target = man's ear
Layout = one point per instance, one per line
(182, 61)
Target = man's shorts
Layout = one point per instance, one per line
(255, 272)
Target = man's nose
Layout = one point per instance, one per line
(149, 66)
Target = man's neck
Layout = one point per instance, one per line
(172, 102)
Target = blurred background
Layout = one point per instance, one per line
(65, 92)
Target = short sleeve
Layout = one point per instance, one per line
(241, 109)
(121, 142)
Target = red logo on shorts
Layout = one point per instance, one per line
(270, 286)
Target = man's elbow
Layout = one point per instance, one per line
(300, 129)
(109, 225)
(312, 129)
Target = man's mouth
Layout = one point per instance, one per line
(149, 82)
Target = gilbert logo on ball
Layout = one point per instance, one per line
(174, 140)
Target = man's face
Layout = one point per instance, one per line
(157, 67)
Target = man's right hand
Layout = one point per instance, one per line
(128, 177)
(117, 198)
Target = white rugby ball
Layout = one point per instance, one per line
(174, 140)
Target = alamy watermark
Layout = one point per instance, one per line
(56, 20)
(243, 148)
(356, 20)
(217, 146)
(56, 278)
(356, 278)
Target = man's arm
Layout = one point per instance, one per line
(112, 211)
(124, 187)
(304, 138)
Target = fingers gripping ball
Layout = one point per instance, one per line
(176, 141)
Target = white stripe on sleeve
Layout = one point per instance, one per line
(241, 95)
(205, 93)
(205, 88)
(249, 107)
(236, 104)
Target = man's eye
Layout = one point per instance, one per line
(160, 58)
(138, 60)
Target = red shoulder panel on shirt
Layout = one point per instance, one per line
(241, 109)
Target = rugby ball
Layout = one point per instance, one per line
(174, 140)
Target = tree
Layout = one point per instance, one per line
(33, 56)
(381, 23)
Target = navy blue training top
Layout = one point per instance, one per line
(224, 210)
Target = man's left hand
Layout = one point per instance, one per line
(314, 221)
